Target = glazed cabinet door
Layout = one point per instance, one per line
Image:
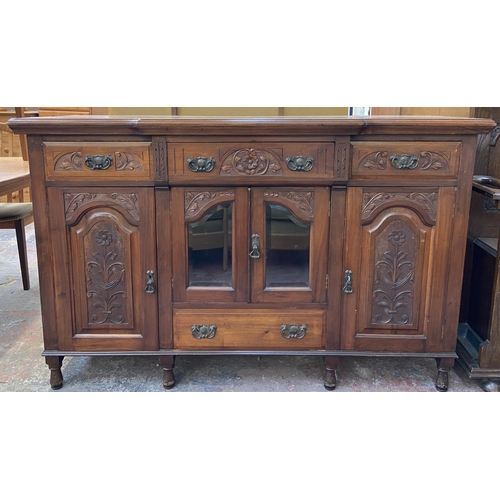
(289, 244)
(209, 251)
(250, 245)
(105, 268)
(396, 268)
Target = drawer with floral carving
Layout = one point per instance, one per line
(98, 160)
(411, 160)
(254, 163)
(245, 329)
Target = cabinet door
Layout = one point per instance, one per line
(105, 268)
(289, 244)
(397, 251)
(209, 240)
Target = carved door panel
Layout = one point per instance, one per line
(394, 294)
(106, 268)
(290, 234)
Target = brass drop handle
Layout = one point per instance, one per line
(347, 288)
(255, 247)
(150, 282)
(404, 161)
(293, 331)
(300, 163)
(203, 331)
(98, 162)
(201, 164)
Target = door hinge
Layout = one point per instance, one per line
(172, 282)
(326, 282)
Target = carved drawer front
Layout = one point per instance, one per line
(98, 160)
(411, 160)
(243, 329)
(251, 163)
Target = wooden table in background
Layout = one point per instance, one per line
(14, 175)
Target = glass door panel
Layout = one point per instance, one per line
(210, 248)
(287, 248)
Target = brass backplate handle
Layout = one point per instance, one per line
(201, 164)
(98, 162)
(150, 282)
(203, 331)
(404, 161)
(299, 163)
(293, 331)
(254, 254)
(347, 288)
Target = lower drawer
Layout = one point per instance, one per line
(243, 329)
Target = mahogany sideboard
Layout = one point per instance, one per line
(321, 236)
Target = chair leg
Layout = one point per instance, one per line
(23, 253)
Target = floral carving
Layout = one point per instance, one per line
(105, 281)
(128, 161)
(104, 238)
(434, 161)
(251, 161)
(69, 161)
(302, 201)
(394, 281)
(373, 200)
(195, 202)
(374, 161)
(75, 201)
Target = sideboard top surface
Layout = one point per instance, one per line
(218, 126)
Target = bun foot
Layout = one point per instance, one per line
(444, 366)
(55, 363)
(330, 379)
(56, 379)
(168, 379)
(442, 380)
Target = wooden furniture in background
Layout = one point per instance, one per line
(479, 330)
(347, 236)
(15, 176)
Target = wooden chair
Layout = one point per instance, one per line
(17, 216)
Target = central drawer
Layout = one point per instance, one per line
(295, 329)
(250, 163)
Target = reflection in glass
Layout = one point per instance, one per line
(209, 242)
(287, 248)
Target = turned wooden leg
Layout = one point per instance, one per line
(330, 378)
(168, 363)
(444, 366)
(55, 364)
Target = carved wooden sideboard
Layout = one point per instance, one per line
(322, 236)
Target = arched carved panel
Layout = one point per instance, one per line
(77, 202)
(423, 203)
(102, 271)
(299, 202)
(196, 203)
